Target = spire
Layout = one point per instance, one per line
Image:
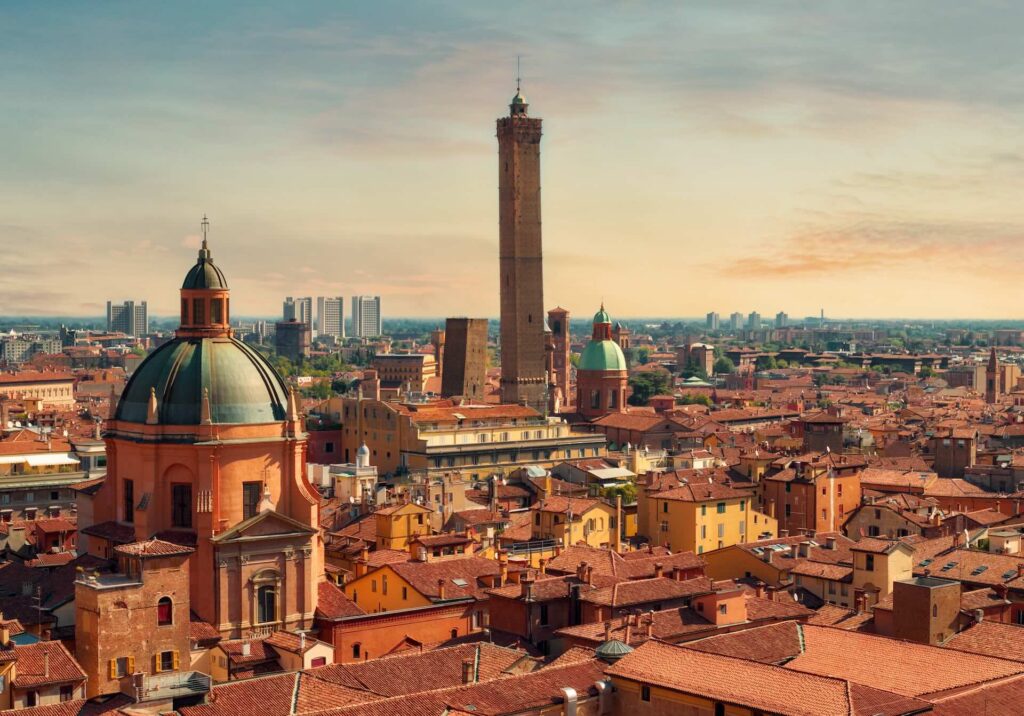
(205, 415)
(293, 406)
(152, 416)
(266, 504)
(204, 251)
(519, 104)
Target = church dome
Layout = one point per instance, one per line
(602, 355)
(242, 386)
(602, 316)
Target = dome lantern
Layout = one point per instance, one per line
(205, 298)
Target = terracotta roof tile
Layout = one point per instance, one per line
(990, 639)
(45, 662)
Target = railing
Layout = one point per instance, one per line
(172, 686)
(542, 545)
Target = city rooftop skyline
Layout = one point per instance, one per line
(866, 157)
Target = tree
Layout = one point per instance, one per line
(724, 365)
(627, 492)
(696, 399)
(646, 385)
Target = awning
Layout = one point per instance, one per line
(11, 459)
(50, 459)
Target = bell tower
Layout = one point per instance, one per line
(523, 378)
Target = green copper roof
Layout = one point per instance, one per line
(519, 98)
(602, 355)
(602, 316)
(204, 274)
(243, 387)
(613, 650)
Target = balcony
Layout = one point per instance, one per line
(168, 687)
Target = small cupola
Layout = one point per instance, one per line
(205, 296)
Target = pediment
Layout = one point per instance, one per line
(266, 524)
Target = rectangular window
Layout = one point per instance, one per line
(869, 562)
(664, 507)
(703, 531)
(197, 311)
(721, 531)
(703, 510)
(181, 505)
(743, 505)
(217, 310)
(831, 587)
(543, 614)
(721, 508)
(121, 667)
(250, 499)
(67, 692)
(168, 661)
(129, 500)
(645, 693)
(789, 510)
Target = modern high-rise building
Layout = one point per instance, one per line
(754, 320)
(712, 321)
(465, 358)
(129, 317)
(366, 317)
(298, 309)
(330, 316)
(781, 319)
(736, 321)
(523, 378)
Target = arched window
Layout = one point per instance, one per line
(595, 399)
(455, 633)
(164, 612)
(613, 398)
(356, 649)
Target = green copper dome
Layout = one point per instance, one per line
(602, 316)
(519, 98)
(204, 274)
(613, 650)
(602, 355)
(243, 387)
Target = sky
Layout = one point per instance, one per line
(862, 157)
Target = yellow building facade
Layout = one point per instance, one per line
(705, 517)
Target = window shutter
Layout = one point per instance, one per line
(113, 668)
(131, 664)
(156, 663)
(176, 663)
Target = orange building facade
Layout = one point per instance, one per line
(206, 449)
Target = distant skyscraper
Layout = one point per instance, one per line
(712, 321)
(366, 316)
(754, 320)
(129, 317)
(330, 316)
(781, 320)
(736, 321)
(298, 309)
(523, 361)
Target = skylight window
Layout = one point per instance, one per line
(460, 582)
(979, 570)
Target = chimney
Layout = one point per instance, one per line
(979, 616)
(771, 509)
(589, 577)
(440, 589)
(547, 485)
(246, 648)
(759, 590)
(830, 543)
(617, 537)
(467, 671)
(526, 583)
(608, 631)
(804, 550)
(628, 634)
(768, 555)
(543, 563)
(860, 603)
(5, 634)
(678, 574)
(569, 701)
(650, 624)
(658, 569)
(581, 571)
(46, 662)
(302, 641)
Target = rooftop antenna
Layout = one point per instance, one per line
(518, 78)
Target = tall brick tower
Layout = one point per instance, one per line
(523, 378)
(992, 378)
(558, 322)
